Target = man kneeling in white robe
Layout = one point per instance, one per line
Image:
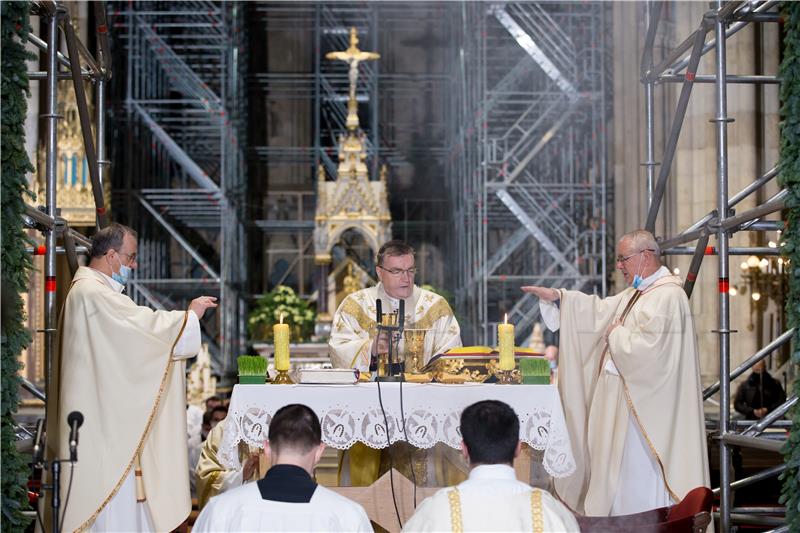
(491, 499)
(287, 498)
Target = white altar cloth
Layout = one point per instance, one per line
(431, 411)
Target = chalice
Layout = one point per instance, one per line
(414, 348)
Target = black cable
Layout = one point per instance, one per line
(66, 500)
(391, 462)
(411, 455)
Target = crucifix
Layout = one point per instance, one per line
(352, 56)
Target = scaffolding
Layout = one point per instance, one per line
(402, 113)
(680, 65)
(77, 65)
(181, 179)
(526, 168)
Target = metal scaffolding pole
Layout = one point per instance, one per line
(724, 331)
(725, 19)
(51, 155)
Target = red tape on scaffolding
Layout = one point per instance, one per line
(724, 285)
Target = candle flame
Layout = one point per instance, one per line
(505, 318)
(281, 318)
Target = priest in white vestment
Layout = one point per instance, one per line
(629, 379)
(122, 366)
(491, 499)
(354, 338)
(287, 498)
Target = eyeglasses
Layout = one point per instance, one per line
(621, 259)
(131, 257)
(396, 272)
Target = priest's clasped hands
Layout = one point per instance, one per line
(199, 305)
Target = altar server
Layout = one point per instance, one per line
(629, 378)
(287, 498)
(122, 366)
(491, 499)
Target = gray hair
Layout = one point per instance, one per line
(109, 238)
(643, 240)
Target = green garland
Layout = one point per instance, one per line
(789, 178)
(16, 263)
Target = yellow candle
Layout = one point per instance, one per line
(281, 334)
(505, 336)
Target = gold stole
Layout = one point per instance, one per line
(622, 317)
(537, 518)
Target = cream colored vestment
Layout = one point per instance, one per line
(649, 369)
(491, 499)
(118, 366)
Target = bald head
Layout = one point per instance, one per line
(638, 253)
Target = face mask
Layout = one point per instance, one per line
(123, 275)
(637, 279)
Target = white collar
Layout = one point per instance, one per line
(394, 303)
(483, 472)
(655, 276)
(115, 285)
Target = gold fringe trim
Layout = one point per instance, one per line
(537, 518)
(89, 521)
(633, 409)
(455, 511)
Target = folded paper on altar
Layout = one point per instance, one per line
(329, 375)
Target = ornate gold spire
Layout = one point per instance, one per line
(351, 201)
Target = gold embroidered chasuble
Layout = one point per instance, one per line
(353, 328)
(211, 476)
(655, 353)
(116, 366)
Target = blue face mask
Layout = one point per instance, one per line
(637, 279)
(123, 275)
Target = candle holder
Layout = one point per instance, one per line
(282, 378)
(508, 377)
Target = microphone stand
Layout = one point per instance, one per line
(55, 471)
(393, 371)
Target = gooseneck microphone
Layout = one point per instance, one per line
(378, 311)
(75, 421)
(401, 316)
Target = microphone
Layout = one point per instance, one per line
(378, 311)
(401, 315)
(38, 449)
(75, 421)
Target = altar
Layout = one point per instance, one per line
(381, 414)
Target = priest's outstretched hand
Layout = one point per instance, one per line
(199, 305)
(545, 293)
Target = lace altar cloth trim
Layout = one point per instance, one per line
(352, 413)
